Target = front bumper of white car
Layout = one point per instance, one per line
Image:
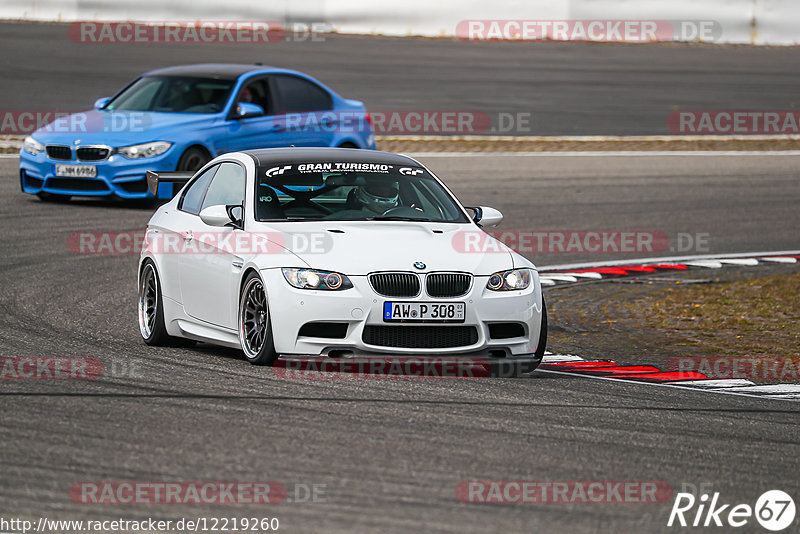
(350, 322)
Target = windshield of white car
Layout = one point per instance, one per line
(173, 94)
(321, 191)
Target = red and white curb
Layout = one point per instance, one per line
(556, 275)
(570, 364)
(559, 275)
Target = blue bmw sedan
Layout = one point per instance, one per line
(179, 118)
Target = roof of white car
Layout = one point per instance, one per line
(277, 156)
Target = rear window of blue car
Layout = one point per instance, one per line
(295, 95)
(174, 94)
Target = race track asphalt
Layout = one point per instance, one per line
(389, 452)
(568, 88)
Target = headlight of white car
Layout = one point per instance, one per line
(146, 150)
(314, 279)
(509, 280)
(32, 146)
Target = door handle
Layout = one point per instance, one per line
(188, 236)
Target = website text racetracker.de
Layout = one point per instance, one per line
(578, 241)
(150, 525)
(394, 122)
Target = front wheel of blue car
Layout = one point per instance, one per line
(255, 329)
(193, 159)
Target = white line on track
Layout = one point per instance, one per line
(791, 397)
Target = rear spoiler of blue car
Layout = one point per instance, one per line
(174, 177)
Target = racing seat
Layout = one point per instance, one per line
(269, 206)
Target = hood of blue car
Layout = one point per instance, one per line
(120, 128)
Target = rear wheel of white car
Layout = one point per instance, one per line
(542, 345)
(151, 308)
(255, 329)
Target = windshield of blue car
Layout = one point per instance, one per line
(350, 191)
(174, 94)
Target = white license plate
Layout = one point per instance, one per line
(76, 171)
(431, 312)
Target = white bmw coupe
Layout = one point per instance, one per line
(333, 253)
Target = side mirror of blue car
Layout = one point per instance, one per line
(248, 109)
(100, 103)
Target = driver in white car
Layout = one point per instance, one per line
(378, 196)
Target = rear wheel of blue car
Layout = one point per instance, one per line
(193, 159)
(50, 197)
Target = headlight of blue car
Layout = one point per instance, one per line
(509, 280)
(146, 150)
(314, 279)
(32, 146)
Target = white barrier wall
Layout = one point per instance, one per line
(734, 21)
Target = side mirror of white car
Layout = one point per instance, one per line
(486, 216)
(100, 103)
(216, 216)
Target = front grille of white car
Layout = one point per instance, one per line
(420, 337)
(447, 284)
(395, 284)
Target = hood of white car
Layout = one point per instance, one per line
(362, 247)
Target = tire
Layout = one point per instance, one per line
(255, 326)
(50, 197)
(542, 344)
(348, 144)
(193, 159)
(151, 308)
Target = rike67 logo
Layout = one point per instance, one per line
(774, 510)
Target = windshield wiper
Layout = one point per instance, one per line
(397, 218)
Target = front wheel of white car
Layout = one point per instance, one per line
(151, 307)
(255, 330)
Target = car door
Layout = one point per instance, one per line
(210, 268)
(306, 108)
(170, 240)
(253, 131)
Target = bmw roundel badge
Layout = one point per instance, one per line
(419, 265)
